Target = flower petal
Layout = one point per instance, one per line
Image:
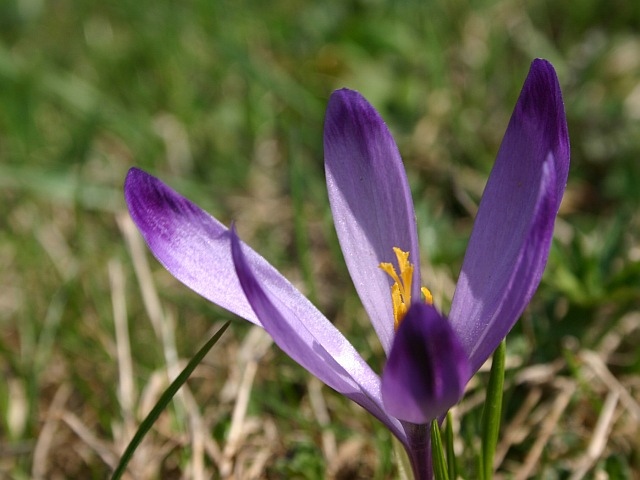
(427, 369)
(194, 246)
(304, 334)
(512, 234)
(370, 200)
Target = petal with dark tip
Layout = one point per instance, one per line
(513, 229)
(312, 341)
(195, 247)
(427, 369)
(370, 200)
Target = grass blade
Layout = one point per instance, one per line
(164, 400)
(451, 456)
(440, 470)
(492, 411)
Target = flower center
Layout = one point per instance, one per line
(401, 288)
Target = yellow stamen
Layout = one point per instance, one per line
(428, 298)
(401, 288)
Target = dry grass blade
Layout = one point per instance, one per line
(150, 295)
(101, 448)
(517, 430)
(567, 388)
(320, 411)
(253, 348)
(602, 372)
(48, 433)
(237, 430)
(126, 384)
(599, 438)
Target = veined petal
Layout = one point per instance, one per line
(304, 334)
(195, 247)
(427, 369)
(371, 202)
(512, 233)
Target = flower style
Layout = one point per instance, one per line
(430, 358)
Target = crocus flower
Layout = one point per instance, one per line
(430, 358)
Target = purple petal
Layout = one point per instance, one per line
(427, 369)
(371, 202)
(311, 340)
(512, 234)
(195, 247)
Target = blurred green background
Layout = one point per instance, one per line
(224, 100)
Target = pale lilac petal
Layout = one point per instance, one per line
(370, 200)
(194, 246)
(304, 334)
(427, 369)
(512, 234)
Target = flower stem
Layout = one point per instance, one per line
(419, 450)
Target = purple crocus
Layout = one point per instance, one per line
(430, 358)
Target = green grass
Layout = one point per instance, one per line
(225, 101)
